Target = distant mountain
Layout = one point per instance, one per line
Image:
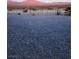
(26, 3)
(57, 4)
(32, 3)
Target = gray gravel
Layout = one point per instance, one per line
(39, 37)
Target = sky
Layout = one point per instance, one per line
(54, 0)
(47, 1)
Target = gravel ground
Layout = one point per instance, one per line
(39, 37)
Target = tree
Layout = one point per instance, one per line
(68, 11)
(25, 10)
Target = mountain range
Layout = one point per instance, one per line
(31, 3)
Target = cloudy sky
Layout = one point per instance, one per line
(47, 1)
(55, 0)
